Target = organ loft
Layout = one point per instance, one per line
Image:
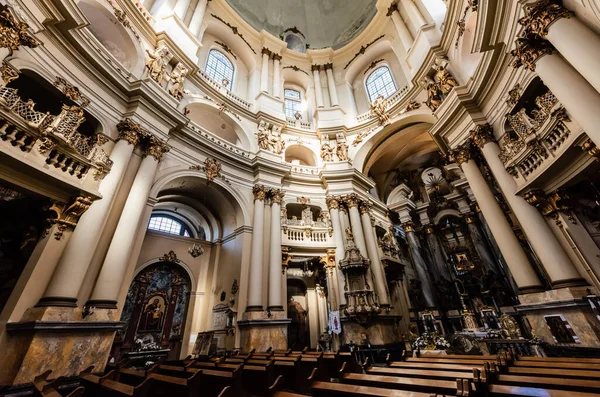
(298, 197)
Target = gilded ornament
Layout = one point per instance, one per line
(171, 256)
(177, 78)
(445, 80)
(364, 208)
(303, 200)
(412, 105)
(349, 234)
(379, 110)
(551, 204)
(326, 152)
(408, 226)
(14, 34)
(351, 200)
(157, 64)
(539, 16)
(333, 202)
(195, 250)
(361, 136)
(482, 134)
(8, 73)
(276, 142)
(156, 148)
(341, 148)
(259, 192)
(462, 154)
(514, 95)
(276, 195)
(122, 18)
(130, 131)
(212, 169)
(590, 147)
(434, 96)
(46, 144)
(428, 229)
(70, 215)
(529, 50)
(71, 91)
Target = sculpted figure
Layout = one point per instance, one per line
(263, 136)
(378, 109)
(277, 143)
(157, 64)
(177, 78)
(446, 81)
(341, 149)
(326, 152)
(434, 96)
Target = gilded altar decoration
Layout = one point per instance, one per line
(14, 34)
(445, 80)
(379, 110)
(157, 65)
(509, 326)
(177, 78)
(434, 96)
(156, 148)
(326, 152)
(341, 148)
(170, 256)
(303, 200)
(8, 73)
(541, 14)
(528, 50)
(71, 91)
(195, 250)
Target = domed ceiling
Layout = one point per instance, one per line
(322, 23)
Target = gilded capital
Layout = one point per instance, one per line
(529, 50)
(429, 229)
(259, 192)
(364, 208)
(482, 134)
(541, 14)
(470, 218)
(351, 200)
(333, 202)
(156, 148)
(130, 131)
(266, 51)
(409, 227)
(462, 154)
(276, 196)
(550, 204)
(590, 147)
(315, 68)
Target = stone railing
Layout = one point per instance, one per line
(218, 141)
(230, 95)
(300, 124)
(50, 140)
(306, 236)
(304, 169)
(392, 100)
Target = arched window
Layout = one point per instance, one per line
(380, 82)
(220, 68)
(292, 102)
(168, 225)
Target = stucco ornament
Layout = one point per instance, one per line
(177, 78)
(341, 149)
(378, 110)
(157, 64)
(326, 152)
(446, 81)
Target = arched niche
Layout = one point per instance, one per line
(155, 309)
(301, 155)
(219, 123)
(112, 35)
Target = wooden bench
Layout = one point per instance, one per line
(43, 388)
(434, 366)
(554, 364)
(419, 373)
(561, 359)
(503, 390)
(215, 381)
(258, 376)
(552, 372)
(107, 386)
(175, 381)
(327, 389)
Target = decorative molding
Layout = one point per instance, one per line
(235, 30)
(296, 69)
(71, 91)
(171, 256)
(363, 49)
(373, 64)
(14, 34)
(226, 48)
(122, 18)
(295, 30)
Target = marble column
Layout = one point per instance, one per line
(275, 303)
(181, 7)
(413, 13)
(318, 89)
(420, 265)
(376, 264)
(255, 279)
(322, 308)
(403, 32)
(109, 282)
(264, 72)
(437, 253)
(276, 76)
(333, 204)
(352, 201)
(197, 17)
(555, 260)
(516, 259)
(162, 8)
(480, 246)
(75, 260)
(333, 96)
(573, 91)
(577, 43)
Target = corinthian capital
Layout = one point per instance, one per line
(352, 200)
(259, 192)
(462, 154)
(130, 131)
(408, 226)
(333, 202)
(590, 147)
(364, 208)
(529, 50)
(541, 14)
(276, 196)
(482, 134)
(156, 148)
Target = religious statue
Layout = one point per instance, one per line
(177, 78)
(276, 141)
(361, 136)
(307, 216)
(212, 169)
(445, 80)
(263, 136)
(157, 64)
(349, 234)
(326, 152)
(434, 96)
(378, 109)
(341, 149)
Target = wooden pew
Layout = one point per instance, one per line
(214, 380)
(175, 381)
(552, 372)
(452, 387)
(258, 376)
(327, 389)
(554, 364)
(106, 385)
(434, 366)
(43, 388)
(503, 390)
(419, 373)
(561, 359)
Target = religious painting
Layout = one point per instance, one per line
(462, 262)
(153, 315)
(203, 344)
(561, 329)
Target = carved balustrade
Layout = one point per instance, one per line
(295, 232)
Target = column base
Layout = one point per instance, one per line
(275, 308)
(58, 301)
(531, 289)
(58, 339)
(571, 282)
(102, 304)
(261, 332)
(256, 308)
(380, 330)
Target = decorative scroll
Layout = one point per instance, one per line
(373, 64)
(234, 29)
(295, 69)
(226, 49)
(122, 18)
(362, 50)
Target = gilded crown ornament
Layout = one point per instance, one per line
(541, 14)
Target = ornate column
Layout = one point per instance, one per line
(264, 72)
(318, 88)
(413, 13)
(255, 279)
(480, 246)
(555, 260)
(107, 288)
(403, 32)
(276, 76)
(576, 94)
(376, 265)
(181, 7)
(420, 265)
(516, 259)
(437, 252)
(331, 85)
(578, 44)
(75, 260)
(161, 8)
(275, 296)
(333, 203)
(197, 17)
